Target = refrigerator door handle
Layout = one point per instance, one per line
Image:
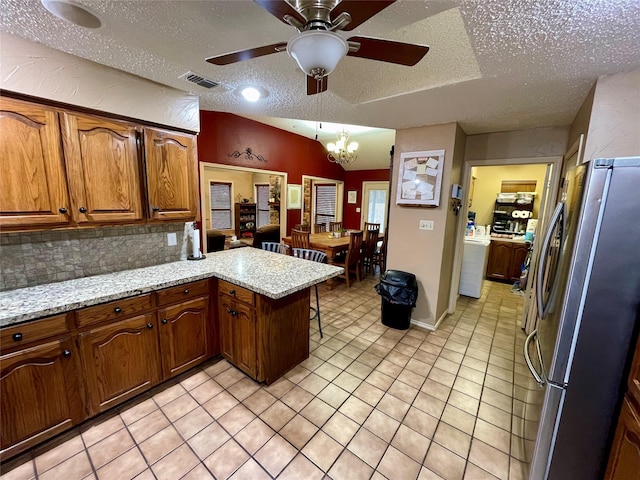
(543, 257)
(527, 358)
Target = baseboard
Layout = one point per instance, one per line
(427, 326)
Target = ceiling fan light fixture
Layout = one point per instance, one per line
(342, 151)
(317, 51)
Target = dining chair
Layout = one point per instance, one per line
(371, 226)
(314, 256)
(380, 255)
(368, 250)
(275, 247)
(300, 238)
(352, 260)
(303, 226)
(335, 226)
(320, 227)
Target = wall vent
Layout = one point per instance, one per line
(199, 80)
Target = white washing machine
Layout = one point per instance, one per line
(474, 265)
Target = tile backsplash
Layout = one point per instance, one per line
(35, 258)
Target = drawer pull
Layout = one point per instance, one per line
(66, 353)
(17, 337)
(62, 210)
(149, 325)
(155, 208)
(232, 292)
(164, 321)
(186, 291)
(82, 210)
(117, 310)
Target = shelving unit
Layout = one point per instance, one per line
(503, 220)
(246, 218)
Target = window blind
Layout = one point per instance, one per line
(220, 194)
(325, 203)
(262, 195)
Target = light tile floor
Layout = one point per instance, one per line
(369, 403)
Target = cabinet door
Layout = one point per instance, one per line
(245, 339)
(519, 253)
(172, 174)
(226, 306)
(121, 360)
(103, 166)
(185, 335)
(499, 263)
(624, 460)
(33, 184)
(40, 394)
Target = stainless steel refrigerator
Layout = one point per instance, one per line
(588, 294)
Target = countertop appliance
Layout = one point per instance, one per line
(588, 294)
(474, 265)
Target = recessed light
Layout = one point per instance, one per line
(73, 13)
(251, 94)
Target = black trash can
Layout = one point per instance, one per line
(399, 291)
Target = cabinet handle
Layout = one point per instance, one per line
(66, 353)
(155, 208)
(149, 325)
(117, 310)
(231, 312)
(186, 291)
(17, 337)
(62, 210)
(82, 210)
(232, 292)
(164, 320)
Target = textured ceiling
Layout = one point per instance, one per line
(494, 65)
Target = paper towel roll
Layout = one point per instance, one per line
(196, 244)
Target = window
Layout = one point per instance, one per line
(325, 203)
(220, 205)
(262, 194)
(377, 205)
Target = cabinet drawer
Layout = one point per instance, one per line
(239, 293)
(33, 331)
(182, 292)
(113, 310)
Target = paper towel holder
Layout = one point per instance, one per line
(201, 257)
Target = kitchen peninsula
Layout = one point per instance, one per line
(73, 349)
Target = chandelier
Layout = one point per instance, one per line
(343, 151)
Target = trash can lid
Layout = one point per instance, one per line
(399, 278)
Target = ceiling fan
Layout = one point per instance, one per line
(317, 48)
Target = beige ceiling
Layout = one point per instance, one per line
(494, 65)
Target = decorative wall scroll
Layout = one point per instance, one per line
(248, 154)
(419, 178)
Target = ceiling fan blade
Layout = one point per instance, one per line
(316, 86)
(280, 8)
(388, 51)
(247, 54)
(360, 11)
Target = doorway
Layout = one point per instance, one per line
(322, 200)
(375, 203)
(551, 166)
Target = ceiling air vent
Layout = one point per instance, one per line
(199, 80)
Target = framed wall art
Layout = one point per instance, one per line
(419, 178)
(294, 196)
(352, 196)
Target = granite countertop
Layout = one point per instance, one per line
(270, 274)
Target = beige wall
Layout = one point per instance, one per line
(580, 125)
(614, 128)
(423, 252)
(34, 69)
(488, 183)
(534, 142)
(242, 186)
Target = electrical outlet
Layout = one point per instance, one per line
(426, 224)
(172, 239)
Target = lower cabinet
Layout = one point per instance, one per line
(505, 260)
(624, 460)
(40, 394)
(121, 359)
(185, 335)
(238, 334)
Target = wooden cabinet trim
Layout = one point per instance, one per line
(118, 309)
(181, 293)
(19, 336)
(239, 293)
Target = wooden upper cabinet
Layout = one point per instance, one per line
(104, 169)
(172, 174)
(33, 184)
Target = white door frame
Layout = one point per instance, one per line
(283, 193)
(556, 161)
(364, 209)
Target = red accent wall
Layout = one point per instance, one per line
(223, 133)
(353, 181)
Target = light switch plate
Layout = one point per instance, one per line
(172, 239)
(426, 224)
(357, 209)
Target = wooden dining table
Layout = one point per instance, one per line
(325, 243)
